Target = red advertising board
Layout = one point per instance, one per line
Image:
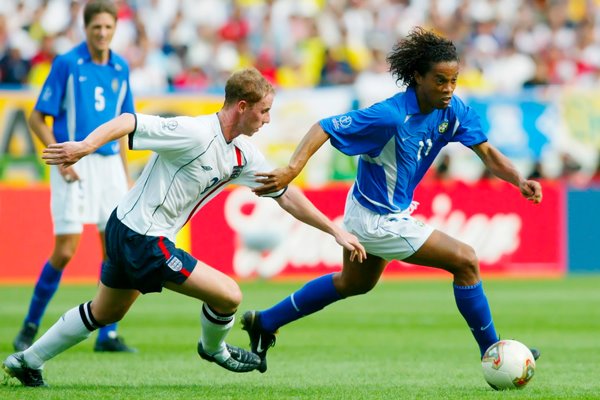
(26, 238)
(246, 236)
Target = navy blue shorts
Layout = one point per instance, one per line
(142, 262)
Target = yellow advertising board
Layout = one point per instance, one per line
(20, 160)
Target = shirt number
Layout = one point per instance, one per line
(100, 103)
(424, 148)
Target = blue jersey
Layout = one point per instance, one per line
(397, 144)
(81, 95)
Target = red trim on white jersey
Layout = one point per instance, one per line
(240, 159)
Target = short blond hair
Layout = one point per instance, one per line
(248, 85)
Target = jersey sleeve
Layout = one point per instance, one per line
(52, 93)
(469, 131)
(255, 162)
(363, 131)
(163, 135)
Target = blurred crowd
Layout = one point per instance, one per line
(178, 45)
(194, 44)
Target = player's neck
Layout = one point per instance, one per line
(99, 56)
(227, 125)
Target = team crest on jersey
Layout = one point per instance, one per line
(169, 124)
(47, 94)
(342, 122)
(115, 85)
(175, 263)
(237, 170)
(443, 127)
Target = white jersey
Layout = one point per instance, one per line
(191, 165)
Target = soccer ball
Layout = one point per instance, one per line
(508, 364)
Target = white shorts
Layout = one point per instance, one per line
(91, 199)
(389, 236)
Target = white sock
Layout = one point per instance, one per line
(73, 327)
(214, 329)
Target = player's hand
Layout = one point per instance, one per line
(531, 190)
(68, 173)
(351, 243)
(65, 153)
(273, 181)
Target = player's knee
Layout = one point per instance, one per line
(61, 257)
(234, 299)
(230, 299)
(467, 269)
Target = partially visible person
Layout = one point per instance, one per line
(442, 169)
(396, 140)
(86, 87)
(537, 171)
(194, 159)
(41, 62)
(336, 70)
(14, 68)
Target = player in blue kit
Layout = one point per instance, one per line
(397, 140)
(86, 87)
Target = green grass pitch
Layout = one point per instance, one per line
(404, 340)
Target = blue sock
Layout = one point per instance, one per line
(104, 333)
(312, 297)
(474, 307)
(45, 288)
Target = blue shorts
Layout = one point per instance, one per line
(142, 262)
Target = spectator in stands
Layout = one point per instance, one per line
(570, 168)
(336, 69)
(42, 61)
(540, 76)
(537, 172)
(14, 69)
(484, 31)
(442, 168)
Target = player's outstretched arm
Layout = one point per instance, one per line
(297, 204)
(504, 169)
(281, 177)
(40, 128)
(68, 153)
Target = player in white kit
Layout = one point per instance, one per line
(195, 158)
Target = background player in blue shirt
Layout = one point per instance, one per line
(397, 140)
(86, 87)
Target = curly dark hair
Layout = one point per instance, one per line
(418, 52)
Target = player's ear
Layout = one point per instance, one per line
(418, 78)
(242, 105)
